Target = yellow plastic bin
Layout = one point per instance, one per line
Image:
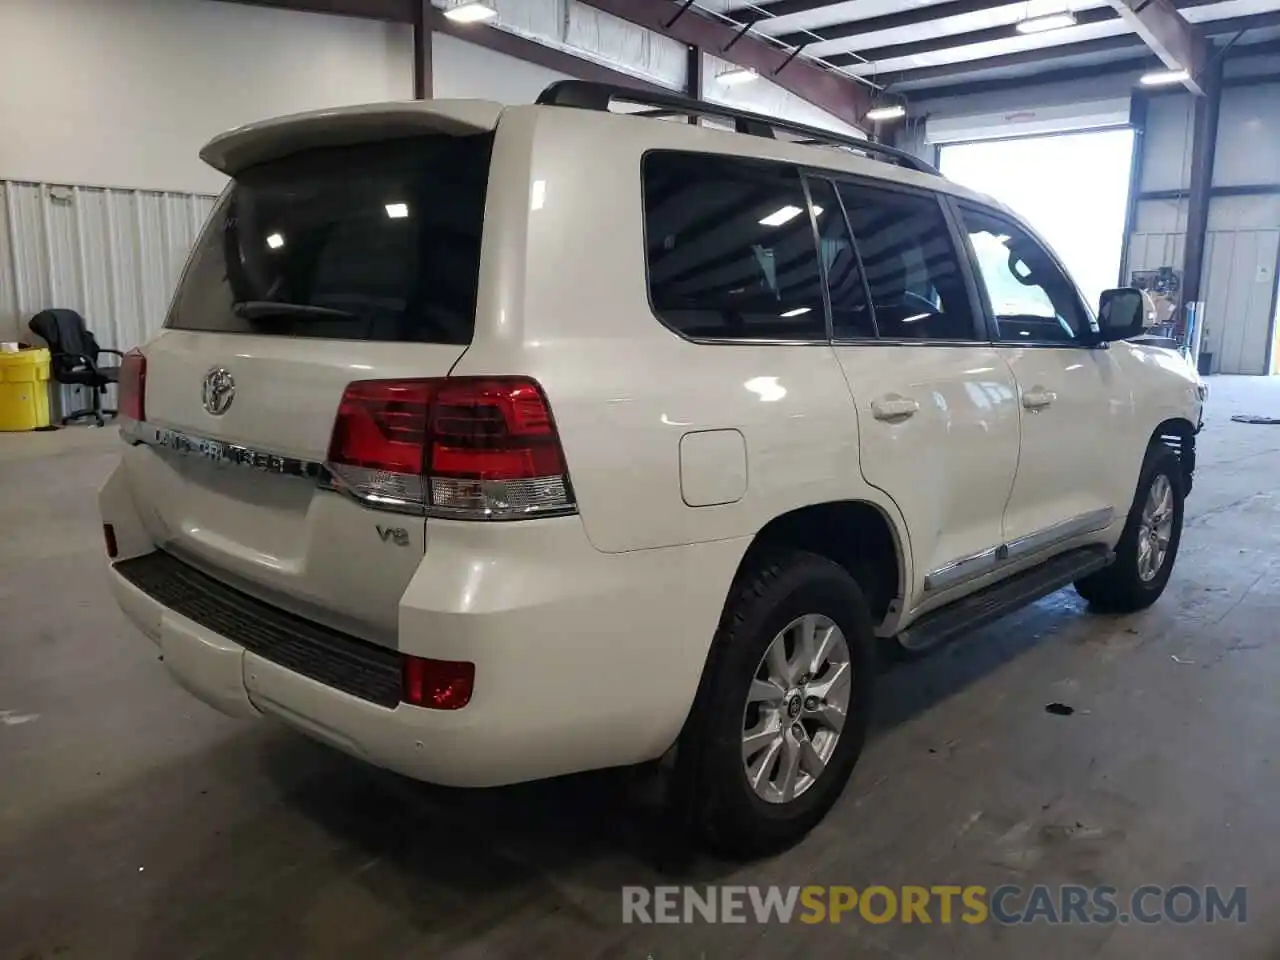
(24, 389)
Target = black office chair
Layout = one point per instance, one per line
(75, 354)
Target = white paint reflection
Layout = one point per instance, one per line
(766, 388)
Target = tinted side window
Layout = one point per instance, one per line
(850, 313)
(730, 249)
(1031, 298)
(913, 273)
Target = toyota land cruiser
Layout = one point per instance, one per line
(495, 443)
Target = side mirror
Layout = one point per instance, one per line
(1122, 314)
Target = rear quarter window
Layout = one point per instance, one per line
(730, 249)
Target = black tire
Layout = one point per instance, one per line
(781, 587)
(1119, 588)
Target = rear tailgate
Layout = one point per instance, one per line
(336, 255)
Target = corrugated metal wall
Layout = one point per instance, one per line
(1243, 243)
(1242, 250)
(112, 255)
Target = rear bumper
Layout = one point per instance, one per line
(583, 660)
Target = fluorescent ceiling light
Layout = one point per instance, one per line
(736, 76)
(781, 215)
(397, 211)
(1047, 22)
(275, 241)
(1159, 78)
(887, 113)
(786, 215)
(797, 312)
(473, 11)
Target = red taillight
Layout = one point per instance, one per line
(381, 425)
(132, 390)
(466, 447)
(109, 535)
(438, 684)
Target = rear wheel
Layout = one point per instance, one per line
(784, 707)
(1149, 544)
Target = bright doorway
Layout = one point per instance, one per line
(1073, 188)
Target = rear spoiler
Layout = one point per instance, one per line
(265, 140)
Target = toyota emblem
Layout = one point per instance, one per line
(218, 391)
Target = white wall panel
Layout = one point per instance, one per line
(1166, 156)
(124, 92)
(591, 34)
(1239, 287)
(764, 96)
(112, 255)
(461, 69)
(1248, 136)
(626, 46)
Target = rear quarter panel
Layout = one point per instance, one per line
(564, 298)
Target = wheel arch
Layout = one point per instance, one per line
(859, 535)
(1179, 435)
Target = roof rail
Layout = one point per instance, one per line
(587, 95)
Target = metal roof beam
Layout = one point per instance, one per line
(1211, 28)
(962, 87)
(834, 92)
(779, 8)
(1004, 31)
(892, 21)
(1045, 55)
(1178, 44)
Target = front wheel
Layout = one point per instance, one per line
(1149, 544)
(785, 704)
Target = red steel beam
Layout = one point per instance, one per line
(1178, 44)
(433, 21)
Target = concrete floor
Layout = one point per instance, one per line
(135, 822)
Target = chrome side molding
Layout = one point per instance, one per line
(965, 568)
(985, 561)
(1089, 522)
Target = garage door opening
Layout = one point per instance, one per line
(1073, 188)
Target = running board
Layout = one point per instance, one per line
(993, 602)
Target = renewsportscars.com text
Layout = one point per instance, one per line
(942, 904)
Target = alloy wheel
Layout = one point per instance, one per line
(1156, 528)
(796, 708)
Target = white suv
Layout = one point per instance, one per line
(491, 444)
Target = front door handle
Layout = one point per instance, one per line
(894, 407)
(1037, 398)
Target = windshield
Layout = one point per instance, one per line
(373, 241)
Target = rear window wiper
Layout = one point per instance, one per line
(266, 309)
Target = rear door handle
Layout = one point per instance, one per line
(894, 407)
(1038, 397)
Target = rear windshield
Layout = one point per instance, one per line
(365, 242)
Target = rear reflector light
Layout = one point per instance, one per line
(467, 447)
(109, 535)
(132, 389)
(437, 684)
